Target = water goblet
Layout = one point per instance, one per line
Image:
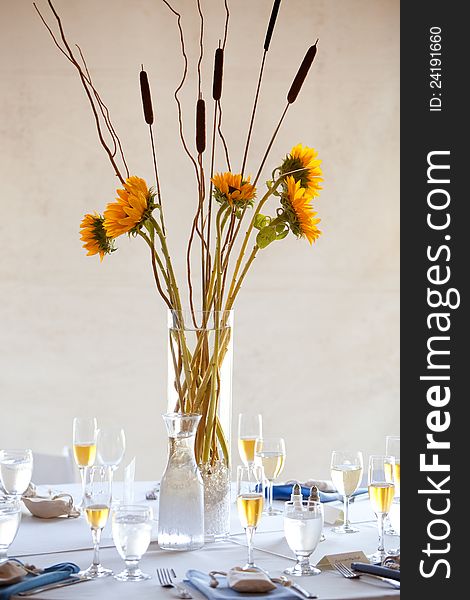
(250, 428)
(270, 453)
(97, 503)
(16, 469)
(10, 517)
(381, 492)
(132, 526)
(303, 524)
(250, 498)
(346, 474)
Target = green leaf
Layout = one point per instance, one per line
(261, 221)
(266, 236)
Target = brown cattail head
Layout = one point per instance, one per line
(272, 22)
(218, 73)
(146, 98)
(302, 74)
(200, 126)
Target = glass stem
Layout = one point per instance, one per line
(3, 556)
(83, 479)
(250, 531)
(381, 532)
(270, 495)
(96, 535)
(132, 566)
(346, 512)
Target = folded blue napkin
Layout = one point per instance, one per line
(376, 570)
(283, 492)
(201, 582)
(50, 575)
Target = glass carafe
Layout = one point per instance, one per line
(181, 509)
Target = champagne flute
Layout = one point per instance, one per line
(97, 503)
(381, 492)
(110, 447)
(10, 517)
(270, 453)
(303, 524)
(132, 527)
(392, 448)
(250, 428)
(84, 446)
(346, 474)
(16, 469)
(250, 497)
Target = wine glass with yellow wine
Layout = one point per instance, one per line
(270, 453)
(381, 493)
(250, 498)
(85, 430)
(346, 474)
(392, 448)
(97, 504)
(250, 428)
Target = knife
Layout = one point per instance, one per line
(302, 590)
(51, 586)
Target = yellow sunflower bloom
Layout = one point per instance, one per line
(130, 208)
(231, 188)
(299, 212)
(303, 157)
(94, 236)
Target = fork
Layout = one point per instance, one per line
(166, 577)
(350, 574)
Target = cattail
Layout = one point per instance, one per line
(302, 74)
(200, 126)
(146, 98)
(218, 73)
(272, 22)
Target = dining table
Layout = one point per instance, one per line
(44, 542)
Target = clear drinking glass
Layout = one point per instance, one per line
(132, 526)
(110, 447)
(381, 492)
(16, 469)
(250, 428)
(303, 524)
(392, 448)
(250, 498)
(346, 474)
(97, 504)
(84, 447)
(10, 517)
(270, 453)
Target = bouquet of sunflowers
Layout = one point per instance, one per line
(226, 200)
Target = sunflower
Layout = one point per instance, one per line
(132, 207)
(303, 157)
(233, 189)
(94, 235)
(299, 212)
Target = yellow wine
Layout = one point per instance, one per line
(97, 515)
(246, 448)
(396, 475)
(272, 463)
(250, 507)
(381, 496)
(346, 478)
(85, 454)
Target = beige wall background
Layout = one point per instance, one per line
(317, 329)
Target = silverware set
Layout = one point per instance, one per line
(350, 574)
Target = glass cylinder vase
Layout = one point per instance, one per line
(200, 345)
(181, 506)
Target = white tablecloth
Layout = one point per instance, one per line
(46, 542)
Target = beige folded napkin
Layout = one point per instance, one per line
(11, 572)
(50, 507)
(249, 581)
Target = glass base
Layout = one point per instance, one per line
(391, 531)
(345, 529)
(136, 575)
(393, 552)
(270, 512)
(302, 570)
(378, 557)
(95, 572)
